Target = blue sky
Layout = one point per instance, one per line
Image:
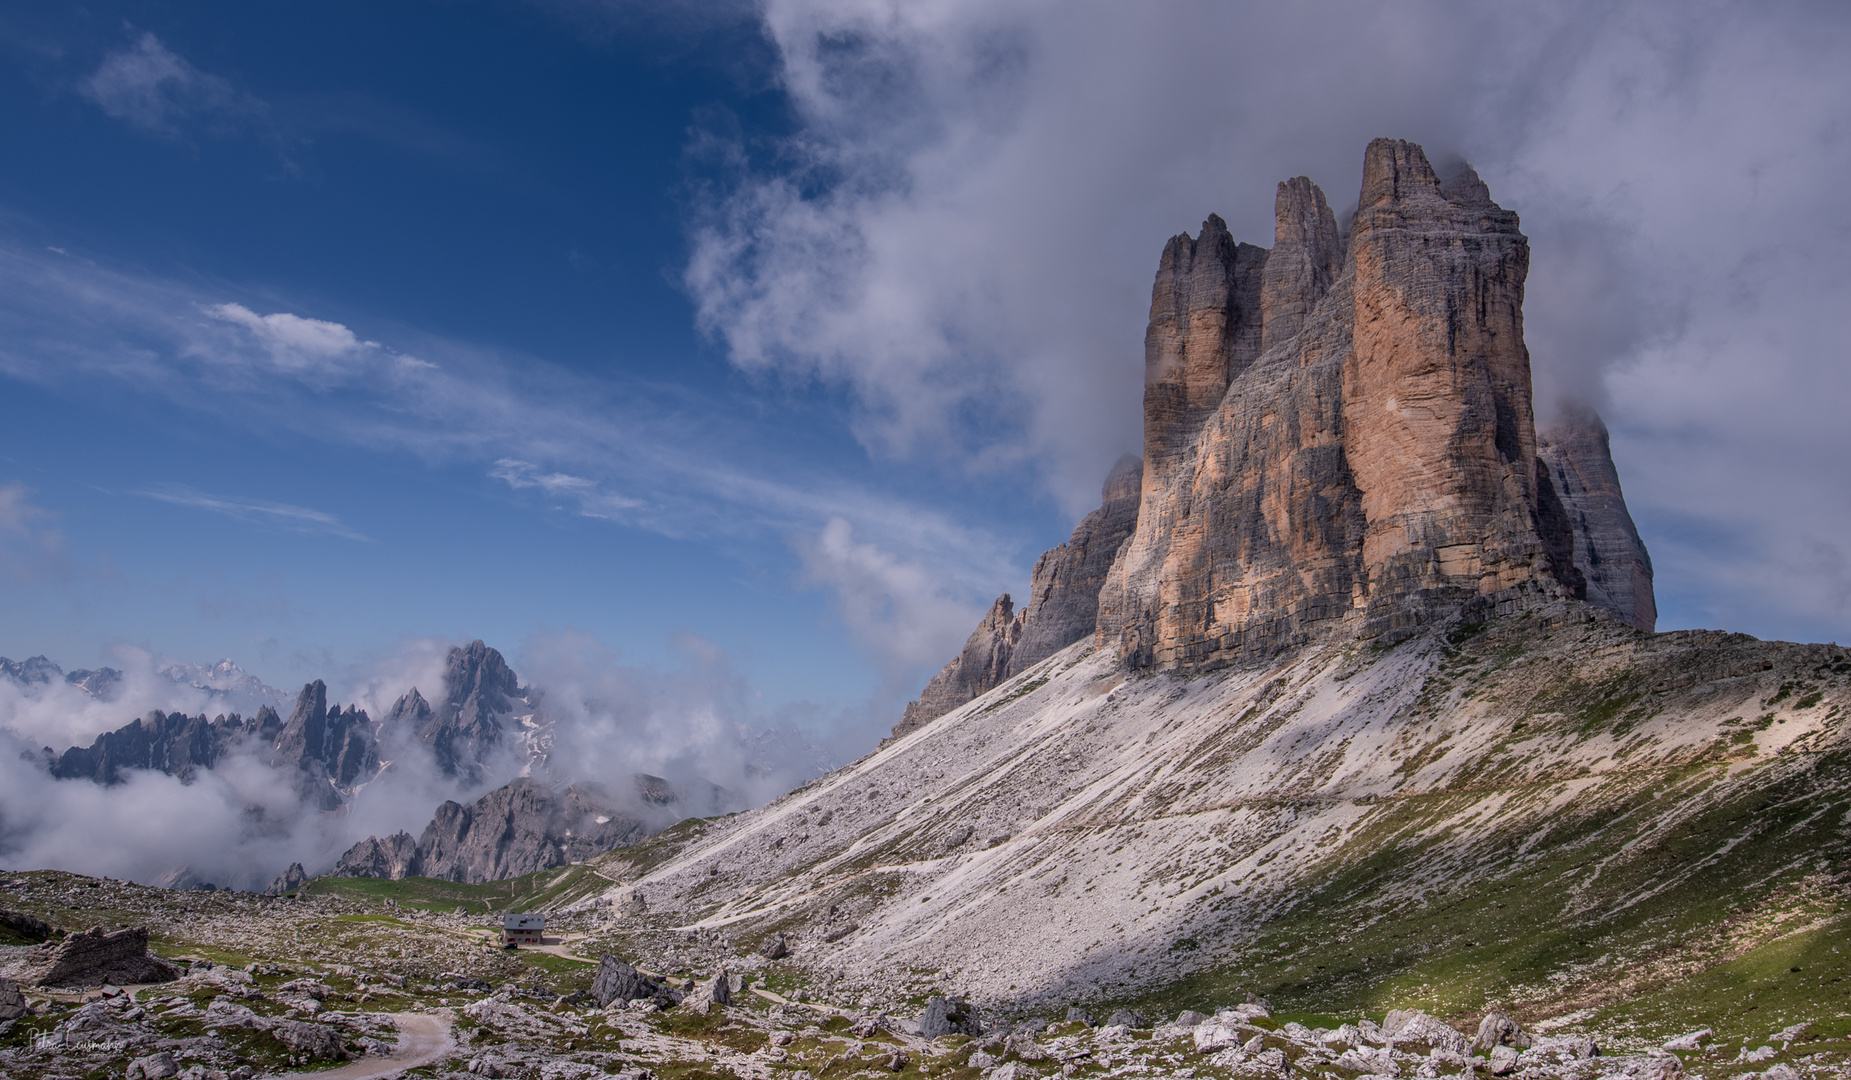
(797, 329)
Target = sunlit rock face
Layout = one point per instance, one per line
(1339, 431)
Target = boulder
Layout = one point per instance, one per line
(224, 1013)
(949, 1017)
(1189, 1018)
(1497, 1029)
(12, 1001)
(320, 1042)
(95, 957)
(159, 1066)
(1691, 1040)
(18, 923)
(1077, 1015)
(1503, 1060)
(1128, 1017)
(618, 981)
(776, 949)
(1217, 1034)
(1414, 1026)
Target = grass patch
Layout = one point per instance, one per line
(531, 892)
(1644, 926)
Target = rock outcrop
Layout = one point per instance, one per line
(288, 881)
(516, 829)
(983, 663)
(617, 981)
(1338, 437)
(1608, 553)
(91, 958)
(1063, 606)
(1063, 600)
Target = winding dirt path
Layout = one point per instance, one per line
(422, 1039)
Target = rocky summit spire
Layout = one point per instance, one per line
(468, 727)
(1437, 419)
(1204, 330)
(1306, 257)
(1338, 437)
(1063, 605)
(1375, 466)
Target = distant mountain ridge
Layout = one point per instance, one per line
(329, 751)
(519, 828)
(229, 686)
(481, 727)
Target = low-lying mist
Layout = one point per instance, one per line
(242, 822)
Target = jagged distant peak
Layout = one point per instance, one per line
(467, 726)
(31, 670)
(100, 683)
(476, 668)
(229, 686)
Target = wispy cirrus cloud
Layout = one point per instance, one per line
(148, 86)
(254, 511)
(31, 548)
(586, 495)
(650, 457)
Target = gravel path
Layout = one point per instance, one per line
(422, 1039)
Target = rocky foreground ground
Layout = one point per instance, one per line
(344, 988)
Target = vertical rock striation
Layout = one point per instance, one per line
(1439, 430)
(1608, 553)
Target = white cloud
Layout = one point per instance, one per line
(295, 343)
(295, 518)
(30, 548)
(586, 495)
(902, 613)
(148, 86)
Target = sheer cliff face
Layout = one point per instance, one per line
(1372, 458)
(1439, 431)
(1608, 553)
